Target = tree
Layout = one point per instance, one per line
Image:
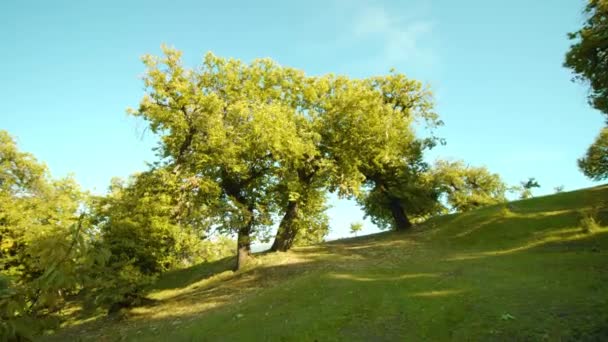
(397, 199)
(305, 221)
(527, 186)
(44, 239)
(273, 140)
(398, 189)
(154, 222)
(595, 162)
(231, 125)
(356, 227)
(467, 188)
(304, 177)
(588, 56)
(588, 59)
(148, 222)
(363, 140)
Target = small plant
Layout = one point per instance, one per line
(588, 222)
(356, 227)
(558, 189)
(505, 210)
(526, 188)
(507, 317)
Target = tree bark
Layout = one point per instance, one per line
(287, 231)
(243, 245)
(399, 216)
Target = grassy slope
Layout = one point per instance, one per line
(526, 273)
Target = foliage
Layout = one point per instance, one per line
(588, 55)
(468, 188)
(312, 222)
(149, 225)
(380, 159)
(588, 59)
(356, 227)
(142, 222)
(595, 162)
(558, 189)
(213, 249)
(228, 125)
(411, 194)
(266, 140)
(588, 223)
(44, 240)
(526, 187)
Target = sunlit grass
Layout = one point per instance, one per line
(523, 271)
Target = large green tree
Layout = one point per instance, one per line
(395, 174)
(230, 124)
(362, 130)
(273, 140)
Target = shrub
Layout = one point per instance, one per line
(588, 222)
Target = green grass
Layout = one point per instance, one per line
(522, 271)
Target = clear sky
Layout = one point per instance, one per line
(69, 69)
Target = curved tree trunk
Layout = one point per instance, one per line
(399, 216)
(287, 231)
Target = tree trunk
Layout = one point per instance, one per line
(243, 245)
(399, 216)
(287, 231)
(243, 241)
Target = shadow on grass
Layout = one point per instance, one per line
(183, 277)
(340, 276)
(427, 269)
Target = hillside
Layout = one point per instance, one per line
(522, 271)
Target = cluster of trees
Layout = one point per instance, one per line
(252, 142)
(57, 241)
(243, 148)
(257, 144)
(588, 59)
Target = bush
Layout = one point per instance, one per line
(588, 222)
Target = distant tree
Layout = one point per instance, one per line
(558, 189)
(595, 162)
(588, 55)
(467, 188)
(356, 227)
(526, 188)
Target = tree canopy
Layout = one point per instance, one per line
(595, 162)
(588, 55)
(264, 140)
(43, 239)
(467, 188)
(588, 59)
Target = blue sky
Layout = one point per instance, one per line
(71, 68)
